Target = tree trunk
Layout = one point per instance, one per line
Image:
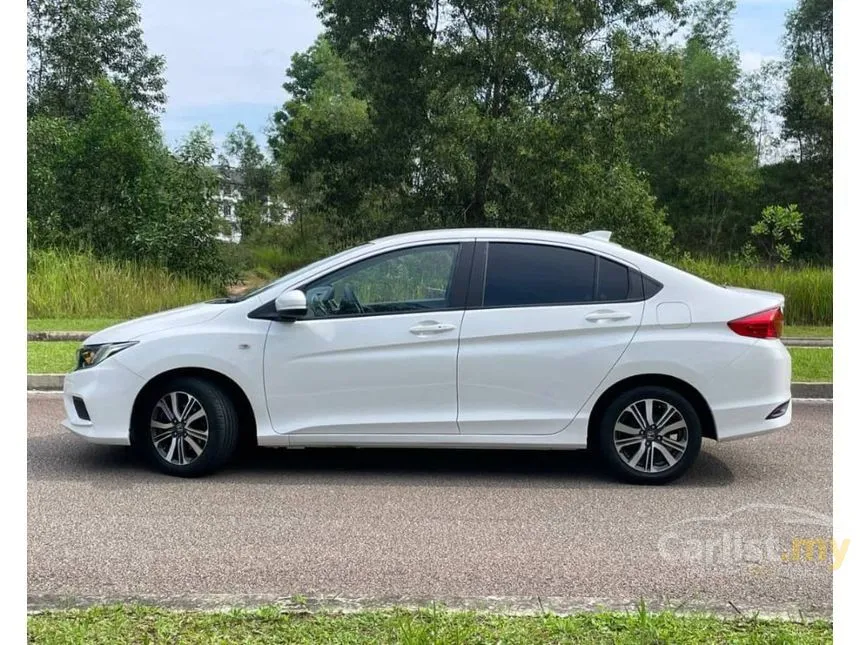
(475, 215)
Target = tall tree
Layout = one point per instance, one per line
(761, 95)
(704, 167)
(807, 109)
(72, 43)
(808, 102)
(467, 112)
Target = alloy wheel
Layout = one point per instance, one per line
(179, 428)
(650, 435)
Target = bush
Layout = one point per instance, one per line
(107, 183)
(61, 284)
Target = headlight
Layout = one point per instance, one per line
(90, 355)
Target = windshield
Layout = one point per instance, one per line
(290, 276)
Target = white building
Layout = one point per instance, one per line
(230, 195)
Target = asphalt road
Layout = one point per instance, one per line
(431, 524)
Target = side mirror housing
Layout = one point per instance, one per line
(291, 305)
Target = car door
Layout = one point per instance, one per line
(543, 326)
(377, 351)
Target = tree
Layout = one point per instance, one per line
(72, 43)
(808, 103)
(807, 110)
(320, 139)
(462, 112)
(761, 94)
(703, 166)
(106, 183)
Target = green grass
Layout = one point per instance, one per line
(48, 357)
(807, 331)
(78, 285)
(70, 324)
(269, 625)
(808, 291)
(811, 364)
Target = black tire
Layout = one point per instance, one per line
(222, 426)
(666, 473)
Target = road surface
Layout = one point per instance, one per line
(451, 525)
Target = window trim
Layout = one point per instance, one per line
(478, 279)
(458, 287)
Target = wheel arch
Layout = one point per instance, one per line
(247, 419)
(709, 427)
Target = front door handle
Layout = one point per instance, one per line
(431, 327)
(606, 314)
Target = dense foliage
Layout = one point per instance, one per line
(106, 182)
(627, 115)
(571, 115)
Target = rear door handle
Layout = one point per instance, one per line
(606, 314)
(431, 327)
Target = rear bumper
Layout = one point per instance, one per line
(749, 389)
(108, 391)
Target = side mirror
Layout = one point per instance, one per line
(291, 305)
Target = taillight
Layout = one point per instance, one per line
(765, 324)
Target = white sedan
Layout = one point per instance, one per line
(476, 338)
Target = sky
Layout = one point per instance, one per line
(226, 60)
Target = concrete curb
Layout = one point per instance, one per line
(807, 342)
(45, 382)
(54, 383)
(812, 390)
(505, 605)
(59, 335)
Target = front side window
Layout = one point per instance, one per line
(533, 275)
(416, 279)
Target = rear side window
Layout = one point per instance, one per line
(534, 274)
(613, 281)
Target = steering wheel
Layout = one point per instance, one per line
(349, 302)
(320, 299)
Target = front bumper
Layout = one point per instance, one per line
(108, 391)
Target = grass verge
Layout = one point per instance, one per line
(808, 291)
(79, 285)
(48, 357)
(809, 364)
(807, 331)
(270, 625)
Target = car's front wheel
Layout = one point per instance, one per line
(187, 427)
(650, 435)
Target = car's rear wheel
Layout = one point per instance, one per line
(187, 427)
(650, 435)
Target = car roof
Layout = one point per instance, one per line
(494, 233)
(595, 241)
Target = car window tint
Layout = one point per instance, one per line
(613, 282)
(535, 274)
(416, 279)
(651, 286)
